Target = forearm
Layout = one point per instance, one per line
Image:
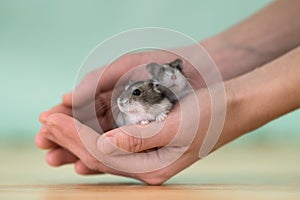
(259, 39)
(262, 95)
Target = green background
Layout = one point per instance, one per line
(42, 44)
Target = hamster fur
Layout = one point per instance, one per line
(142, 102)
(170, 75)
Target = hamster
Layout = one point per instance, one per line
(142, 102)
(170, 75)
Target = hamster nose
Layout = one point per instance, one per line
(173, 77)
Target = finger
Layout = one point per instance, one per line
(85, 90)
(103, 109)
(80, 140)
(99, 107)
(102, 123)
(67, 99)
(96, 114)
(66, 131)
(42, 142)
(180, 123)
(148, 167)
(102, 79)
(82, 169)
(76, 137)
(174, 139)
(152, 167)
(60, 108)
(59, 156)
(138, 138)
(63, 130)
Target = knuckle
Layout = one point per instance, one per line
(76, 126)
(90, 162)
(154, 179)
(131, 143)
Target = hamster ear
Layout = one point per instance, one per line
(154, 85)
(177, 64)
(153, 68)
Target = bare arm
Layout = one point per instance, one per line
(263, 95)
(257, 40)
(253, 100)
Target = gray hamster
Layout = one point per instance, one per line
(170, 75)
(142, 102)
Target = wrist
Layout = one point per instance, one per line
(235, 124)
(264, 94)
(232, 55)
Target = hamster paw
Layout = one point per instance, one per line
(144, 122)
(161, 117)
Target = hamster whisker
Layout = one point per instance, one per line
(102, 107)
(102, 110)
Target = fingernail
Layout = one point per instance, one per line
(107, 144)
(43, 117)
(50, 123)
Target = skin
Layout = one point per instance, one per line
(248, 96)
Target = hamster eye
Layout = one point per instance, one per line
(136, 92)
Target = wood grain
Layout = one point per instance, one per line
(269, 172)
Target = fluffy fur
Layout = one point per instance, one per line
(170, 75)
(151, 104)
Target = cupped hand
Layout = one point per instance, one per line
(84, 96)
(175, 144)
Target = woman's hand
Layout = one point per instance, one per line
(84, 97)
(248, 107)
(177, 142)
(254, 99)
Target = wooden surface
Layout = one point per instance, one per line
(268, 172)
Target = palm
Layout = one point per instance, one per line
(102, 101)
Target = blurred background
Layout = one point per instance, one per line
(42, 44)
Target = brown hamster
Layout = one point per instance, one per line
(142, 102)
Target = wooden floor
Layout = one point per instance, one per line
(268, 172)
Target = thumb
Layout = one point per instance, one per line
(70, 133)
(85, 91)
(67, 99)
(135, 138)
(112, 144)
